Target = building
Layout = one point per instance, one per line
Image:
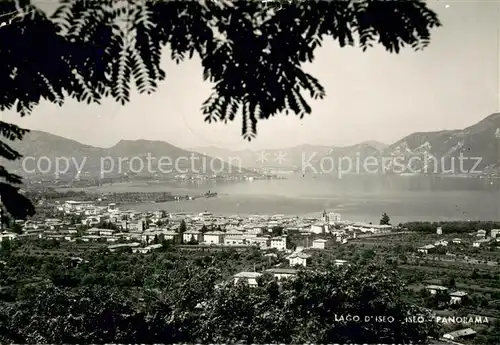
(235, 241)
(107, 232)
(53, 223)
(339, 262)
(278, 243)
(439, 230)
(481, 233)
(254, 231)
(150, 236)
(93, 231)
(115, 247)
(76, 206)
(494, 233)
(190, 235)
(138, 225)
(319, 243)
(373, 228)
(282, 273)
(434, 289)
(91, 221)
(480, 242)
(90, 238)
(213, 237)
(441, 243)
(247, 235)
(456, 296)
(147, 249)
(318, 228)
(334, 217)
(426, 249)
(299, 259)
(456, 240)
(249, 277)
(7, 236)
(172, 236)
(463, 333)
(261, 242)
(233, 233)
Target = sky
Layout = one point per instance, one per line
(375, 95)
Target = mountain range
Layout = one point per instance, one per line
(471, 150)
(479, 144)
(127, 157)
(290, 157)
(284, 158)
(429, 152)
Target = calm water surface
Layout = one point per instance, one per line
(358, 198)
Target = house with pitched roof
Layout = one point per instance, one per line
(298, 259)
(249, 277)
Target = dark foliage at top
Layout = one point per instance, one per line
(252, 53)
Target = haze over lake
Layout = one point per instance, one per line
(358, 198)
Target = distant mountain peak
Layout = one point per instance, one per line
(41, 144)
(376, 144)
(471, 142)
(494, 116)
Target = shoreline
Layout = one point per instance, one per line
(354, 200)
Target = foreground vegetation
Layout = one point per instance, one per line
(173, 296)
(456, 227)
(457, 266)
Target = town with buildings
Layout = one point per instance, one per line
(138, 230)
(293, 243)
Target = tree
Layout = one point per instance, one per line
(88, 315)
(182, 230)
(251, 52)
(493, 337)
(450, 282)
(277, 231)
(385, 220)
(441, 250)
(475, 274)
(76, 220)
(443, 297)
(5, 245)
(172, 297)
(166, 244)
(192, 240)
(16, 228)
(403, 258)
(306, 309)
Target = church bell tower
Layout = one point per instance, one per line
(325, 217)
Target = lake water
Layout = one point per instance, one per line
(358, 198)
